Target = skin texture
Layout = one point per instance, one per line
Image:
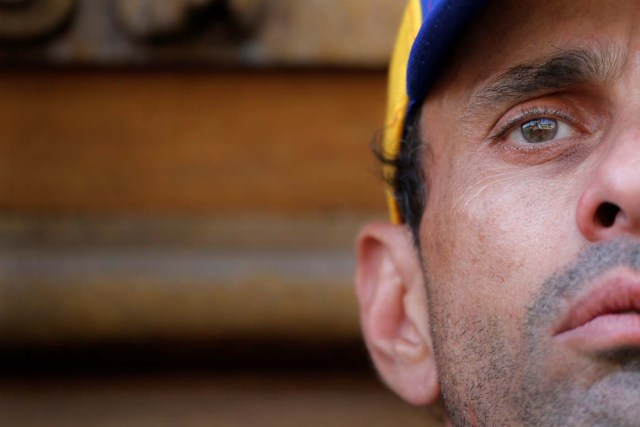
(513, 232)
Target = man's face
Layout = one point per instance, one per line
(530, 238)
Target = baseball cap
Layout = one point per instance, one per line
(427, 34)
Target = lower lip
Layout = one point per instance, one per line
(605, 332)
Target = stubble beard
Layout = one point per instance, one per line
(487, 379)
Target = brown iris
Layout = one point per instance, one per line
(539, 130)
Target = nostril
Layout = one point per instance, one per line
(606, 214)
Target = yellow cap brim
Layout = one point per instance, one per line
(398, 99)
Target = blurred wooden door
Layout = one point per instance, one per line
(180, 184)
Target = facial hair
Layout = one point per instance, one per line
(488, 379)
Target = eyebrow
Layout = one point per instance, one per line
(539, 76)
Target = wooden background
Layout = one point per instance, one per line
(177, 220)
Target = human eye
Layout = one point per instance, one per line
(536, 128)
(540, 131)
(543, 131)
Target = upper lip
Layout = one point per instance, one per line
(615, 294)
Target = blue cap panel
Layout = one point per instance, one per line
(444, 21)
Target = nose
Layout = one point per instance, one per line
(610, 203)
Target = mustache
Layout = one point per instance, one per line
(591, 262)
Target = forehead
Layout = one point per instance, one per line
(510, 33)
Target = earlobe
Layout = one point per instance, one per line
(393, 311)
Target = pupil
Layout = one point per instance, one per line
(540, 130)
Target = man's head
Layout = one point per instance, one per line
(519, 300)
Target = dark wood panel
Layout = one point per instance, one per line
(190, 142)
(278, 401)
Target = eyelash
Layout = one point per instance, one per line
(528, 115)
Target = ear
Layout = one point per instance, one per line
(393, 312)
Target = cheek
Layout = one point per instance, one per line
(492, 238)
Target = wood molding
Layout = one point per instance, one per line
(73, 281)
(211, 33)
